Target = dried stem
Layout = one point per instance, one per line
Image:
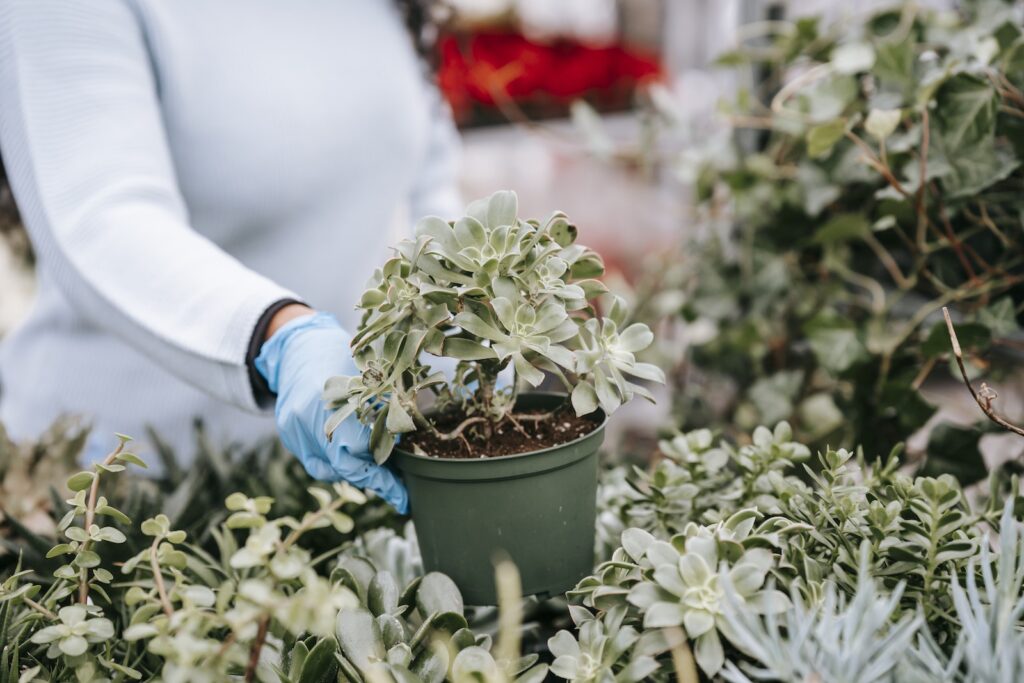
(986, 396)
(889, 262)
(90, 514)
(257, 647)
(158, 579)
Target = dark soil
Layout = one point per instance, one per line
(553, 429)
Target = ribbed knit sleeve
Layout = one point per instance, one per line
(87, 155)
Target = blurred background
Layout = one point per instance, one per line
(644, 121)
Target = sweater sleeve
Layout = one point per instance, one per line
(436, 190)
(88, 159)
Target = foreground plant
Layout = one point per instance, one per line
(489, 291)
(259, 606)
(778, 564)
(183, 614)
(674, 583)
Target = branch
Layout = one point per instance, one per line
(39, 608)
(257, 646)
(987, 394)
(90, 514)
(158, 579)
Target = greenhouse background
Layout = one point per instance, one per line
(804, 245)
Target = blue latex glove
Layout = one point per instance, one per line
(296, 361)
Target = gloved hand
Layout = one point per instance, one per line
(296, 361)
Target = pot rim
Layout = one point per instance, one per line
(599, 425)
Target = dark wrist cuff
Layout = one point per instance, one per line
(261, 392)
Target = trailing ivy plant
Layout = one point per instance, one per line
(488, 291)
(871, 177)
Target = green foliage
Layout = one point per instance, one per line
(488, 291)
(415, 633)
(882, 182)
(255, 603)
(748, 561)
(714, 536)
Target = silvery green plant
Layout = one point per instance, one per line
(674, 584)
(990, 609)
(606, 649)
(861, 640)
(872, 636)
(701, 479)
(488, 291)
(418, 632)
(179, 613)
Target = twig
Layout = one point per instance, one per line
(922, 216)
(228, 642)
(1012, 111)
(958, 248)
(420, 419)
(158, 579)
(987, 395)
(889, 262)
(926, 370)
(39, 608)
(872, 160)
(779, 101)
(517, 424)
(257, 647)
(90, 514)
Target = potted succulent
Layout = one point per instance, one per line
(494, 467)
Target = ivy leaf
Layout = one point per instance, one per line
(823, 137)
(842, 228)
(1000, 317)
(894, 63)
(853, 57)
(972, 336)
(881, 123)
(965, 112)
(836, 348)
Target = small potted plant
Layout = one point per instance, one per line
(494, 468)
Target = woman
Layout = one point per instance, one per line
(207, 185)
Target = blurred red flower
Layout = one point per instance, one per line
(482, 68)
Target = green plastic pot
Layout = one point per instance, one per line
(537, 509)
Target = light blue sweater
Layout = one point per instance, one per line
(182, 164)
